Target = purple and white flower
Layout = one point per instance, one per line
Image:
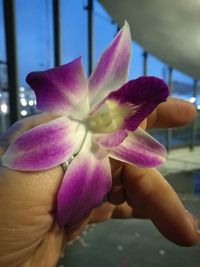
(97, 119)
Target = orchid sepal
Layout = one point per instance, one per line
(61, 89)
(140, 149)
(111, 71)
(85, 184)
(45, 146)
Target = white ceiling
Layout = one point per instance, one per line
(170, 29)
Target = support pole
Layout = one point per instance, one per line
(10, 34)
(90, 9)
(56, 27)
(145, 58)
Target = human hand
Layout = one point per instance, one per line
(29, 235)
(144, 193)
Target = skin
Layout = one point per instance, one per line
(29, 236)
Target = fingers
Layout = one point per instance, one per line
(125, 211)
(172, 113)
(102, 213)
(116, 195)
(149, 192)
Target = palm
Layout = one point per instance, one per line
(26, 204)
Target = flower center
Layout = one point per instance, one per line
(108, 118)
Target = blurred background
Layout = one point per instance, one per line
(40, 34)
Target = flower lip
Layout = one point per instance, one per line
(140, 97)
(105, 120)
(128, 106)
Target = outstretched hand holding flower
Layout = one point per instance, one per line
(83, 124)
(97, 119)
(29, 235)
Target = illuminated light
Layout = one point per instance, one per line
(24, 112)
(4, 108)
(31, 102)
(21, 89)
(23, 102)
(192, 99)
(198, 107)
(21, 94)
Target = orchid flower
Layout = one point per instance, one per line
(97, 119)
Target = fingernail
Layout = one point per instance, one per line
(196, 222)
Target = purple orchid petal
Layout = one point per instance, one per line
(86, 182)
(60, 89)
(140, 149)
(112, 69)
(45, 146)
(112, 139)
(137, 99)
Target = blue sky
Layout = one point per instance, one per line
(35, 45)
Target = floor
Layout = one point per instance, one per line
(129, 243)
(181, 159)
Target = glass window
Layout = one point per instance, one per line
(104, 30)
(2, 35)
(198, 97)
(34, 36)
(74, 30)
(156, 67)
(4, 107)
(182, 86)
(136, 66)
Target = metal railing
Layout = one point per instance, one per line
(180, 137)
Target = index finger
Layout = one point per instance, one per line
(172, 113)
(150, 193)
